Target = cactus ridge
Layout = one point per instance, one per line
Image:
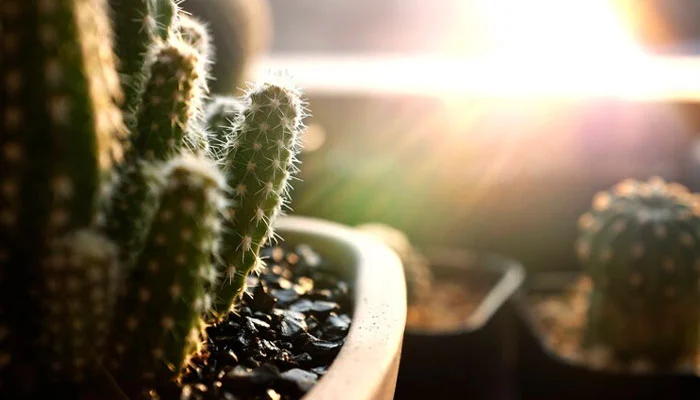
(640, 244)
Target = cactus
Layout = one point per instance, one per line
(159, 323)
(258, 167)
(59, 123)
(172, 100)
(137, 25)
(107, 226)
(640, 244)
(195, 33)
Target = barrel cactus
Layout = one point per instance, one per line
(640, 244)
(113, 206)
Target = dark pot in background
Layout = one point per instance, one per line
(544, 375)
(477, 359)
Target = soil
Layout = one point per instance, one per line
(282, 339)
(562, 318)
(449, 305)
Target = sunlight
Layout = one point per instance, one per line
(559, 47)
(555, 29)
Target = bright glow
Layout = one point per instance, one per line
(555, 49)
(555, 29)
(562, 47)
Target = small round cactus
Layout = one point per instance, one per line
(640, 244)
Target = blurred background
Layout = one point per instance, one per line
(488, 124)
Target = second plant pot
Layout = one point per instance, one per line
(476, 358)
(544, 374)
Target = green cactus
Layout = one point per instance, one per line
(195, 33)
(137, 25)
(258, 167)
(171, 101)
(77, 294)
(159, 322)
(220, 116)
(59, 122)
(165, 119)
(640, 244)
(96, 241)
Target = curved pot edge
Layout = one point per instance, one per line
(367, 365)
(510, 282)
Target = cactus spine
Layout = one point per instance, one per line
(641, 246)
(258, 168)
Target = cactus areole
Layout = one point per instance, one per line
(640, 244)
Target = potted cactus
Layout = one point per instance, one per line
(131, 229)
(458, 339)
(629, 327)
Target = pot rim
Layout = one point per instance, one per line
(512, 277)
(367, 364)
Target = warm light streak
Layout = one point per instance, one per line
(533, 48)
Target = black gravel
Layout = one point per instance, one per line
(286, 333)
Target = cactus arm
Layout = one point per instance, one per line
(195, 33)
(165, 13)
(171, 102)
(134, 200)
(135, 29)
(258, 169)
(78, 291)
(159, 322)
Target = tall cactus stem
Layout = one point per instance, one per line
(171, 102)
(258, 168)
(159, 325)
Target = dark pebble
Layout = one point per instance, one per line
(255, 326)
(337, 324)
(285, 296)
(302, 306)
(291, 326)
(262, 300)
(323, 308)
(321, 350)
(303, 380)
(242, 377)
